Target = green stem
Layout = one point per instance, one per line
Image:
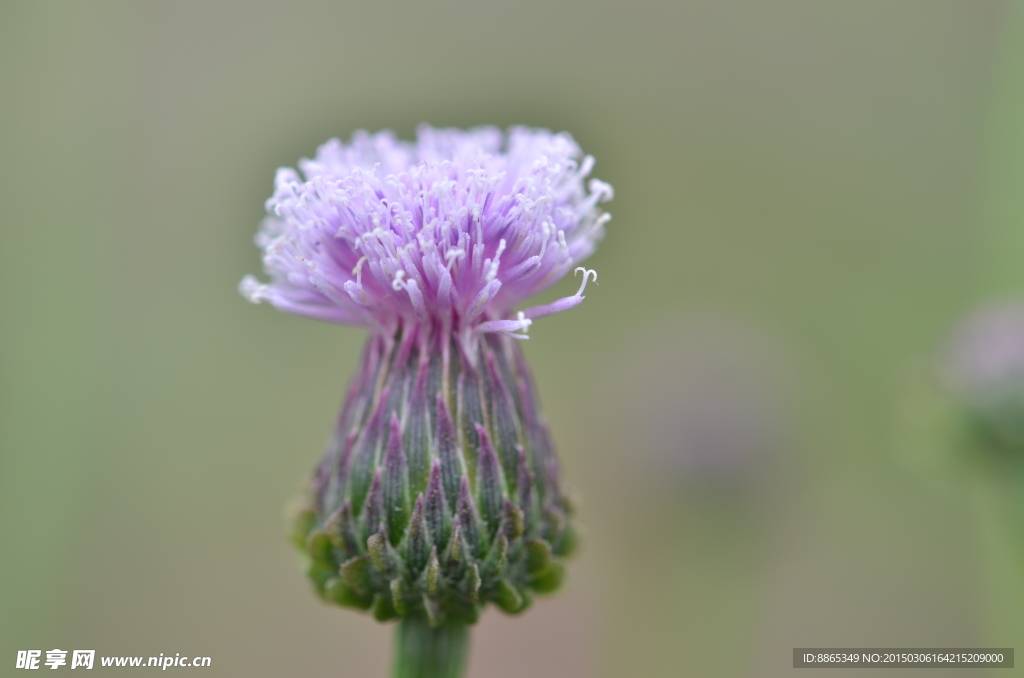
(422, 651)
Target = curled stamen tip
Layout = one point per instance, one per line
(398, 283)
(509, 327)
(586, 273)
(454, 255)
(359, 265)
(586, 277)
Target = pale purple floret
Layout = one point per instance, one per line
(458, 227)
(986, 351)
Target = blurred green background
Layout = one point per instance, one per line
(813, 192)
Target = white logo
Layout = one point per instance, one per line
(28, 659)
(55, 658)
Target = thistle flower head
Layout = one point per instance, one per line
(440, 490)
(458, 227)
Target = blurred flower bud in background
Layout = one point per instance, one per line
(983, 368)
(701, 409)
(962, 407)
(705, 402)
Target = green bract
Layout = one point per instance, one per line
(440, 490)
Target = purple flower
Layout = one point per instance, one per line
(440, 491)
(457, 228)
